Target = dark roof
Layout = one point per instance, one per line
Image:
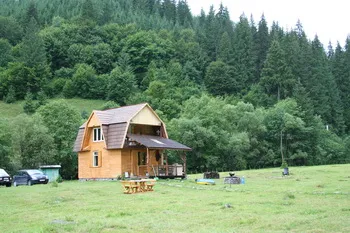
(119, 115)
(79, 140)
(115, 136)
(114, 124)
(156, 142)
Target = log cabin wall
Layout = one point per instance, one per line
(109, 161)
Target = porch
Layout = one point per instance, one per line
(164, 171)
(148, 157)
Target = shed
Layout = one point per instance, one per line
(52, 171)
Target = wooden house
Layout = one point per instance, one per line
(130, 141)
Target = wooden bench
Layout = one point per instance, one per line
(149, 184)
(137, 186)
(131, 186)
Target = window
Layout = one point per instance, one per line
(95, 159)
(98, 136)
(142, 157)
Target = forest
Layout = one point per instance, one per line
(242, 94)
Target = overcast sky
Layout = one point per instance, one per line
(328, 19)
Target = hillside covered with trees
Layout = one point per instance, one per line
(241, 94)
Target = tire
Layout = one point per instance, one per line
(8, 185)
(15, 184)
(29, 183)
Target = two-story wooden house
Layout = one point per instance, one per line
(130, 141)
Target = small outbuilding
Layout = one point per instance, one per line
(52, 171)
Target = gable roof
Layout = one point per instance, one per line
(114, 123)
(119, 115)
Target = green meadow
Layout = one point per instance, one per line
(14, 109)
(311, 199)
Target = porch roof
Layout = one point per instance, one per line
(156, 142)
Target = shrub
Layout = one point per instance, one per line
(59, 179)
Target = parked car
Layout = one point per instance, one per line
(5, 179)
(30, 177)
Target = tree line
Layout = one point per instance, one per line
(247, 93)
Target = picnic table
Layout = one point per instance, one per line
(138, 186)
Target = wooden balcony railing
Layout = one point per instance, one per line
(162, 170)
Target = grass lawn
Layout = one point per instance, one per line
(311, 199)
(12, 110)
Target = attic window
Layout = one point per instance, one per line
(98, 136)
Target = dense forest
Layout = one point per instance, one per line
(241, 94)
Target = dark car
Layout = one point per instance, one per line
(5, 178)
(29, 177)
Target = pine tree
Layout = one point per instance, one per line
(302, 97)
(211, 30)
(323, 88)
(31, 13)
(277, 32)
(33, 55)
(243, 55)
(88, 11)
(276, 77)
(330, 52)
(32, 51)
(169, 10)
(344, 82)
(184, 16)
(293, 55)
(262, 44)
(225, 52)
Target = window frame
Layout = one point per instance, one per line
(95, 162)
(97, 134)
(141, 158)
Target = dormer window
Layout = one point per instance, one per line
(98, 136)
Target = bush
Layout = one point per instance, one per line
(284, 164)
(11, 96)
(59, 179)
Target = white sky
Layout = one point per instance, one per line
(328, 19)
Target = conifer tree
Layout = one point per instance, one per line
(211, 30)
(88, 11)
(323, 89)
(184, 16)
(262, 43)
(243, 55)
(31, 13)
(276, 77)
(344, 83)
(32, 51)
(225, 52)
(169, 10)
(33, 55)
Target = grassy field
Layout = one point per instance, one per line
(12, 110)
(311, 199)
